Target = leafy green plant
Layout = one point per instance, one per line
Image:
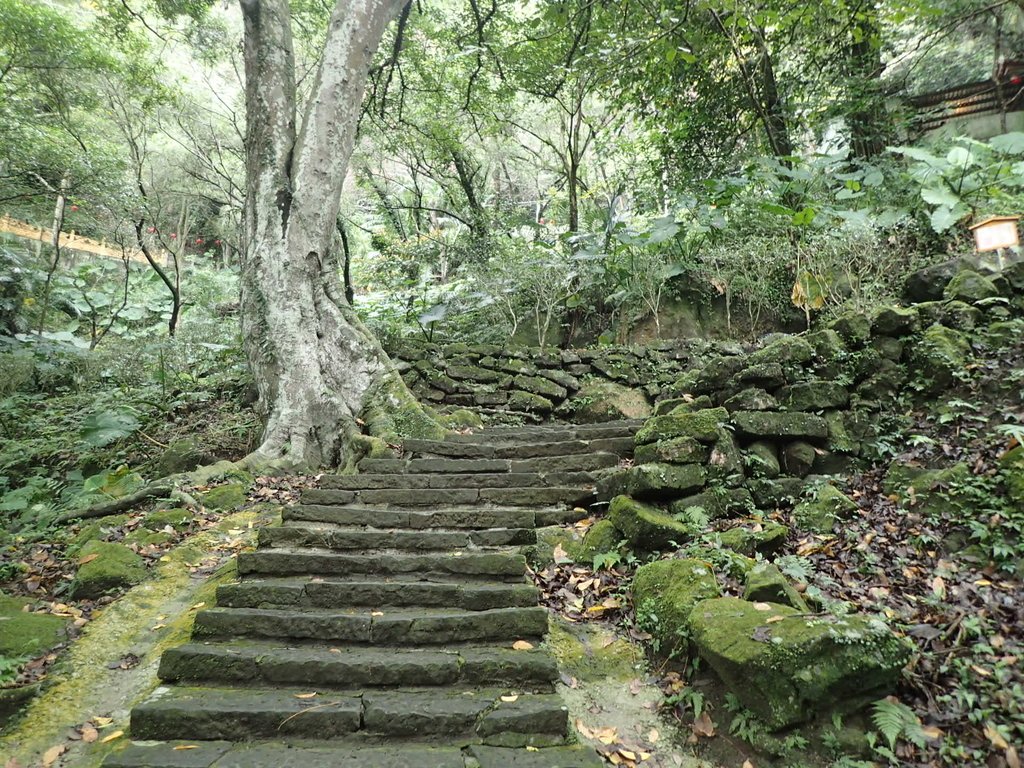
(894, 721)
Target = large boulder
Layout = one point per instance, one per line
(969, 286)
(602, 537)
(929, 283)
(785, 350)
(765, 583)
(182, 456)
(821, 513)
(656, 481)
(599, 401)
(941, 355)
(787, 667)
(895, 321)
(664, 594)
(678, 450)
(718, 502)
(224, 497)
(769, 424)
(645, 527)
(699, 425)
(757, 539)
(813, 396)
(106, 567)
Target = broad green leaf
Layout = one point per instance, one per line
(1010, 143)
(960, 157)
(941, 195)
(104, 427)
(945, 217)
(915, 153)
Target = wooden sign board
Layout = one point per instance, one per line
(996, 233)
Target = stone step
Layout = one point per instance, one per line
(272, 663)
(393, 626)
(328, 536)
(443, 517)
(623, 446)
(247, 713)
(395, 592)
(321, 562)
(551, 434)
(580, 462)
(436, 497)
(263, 754)
(436, 480)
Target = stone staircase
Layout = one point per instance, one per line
(388, 622)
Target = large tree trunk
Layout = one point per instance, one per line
(317, 369)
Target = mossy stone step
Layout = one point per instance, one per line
(293, 562)
(535, 450)
(241, 714)
(224, 754)
(580, 462)
(300, 592)
(262, 662)
(327, 536)
(436, 480)
(247, 713)
(499, 435)
(448, 516)
(432, 497)
(397, 626)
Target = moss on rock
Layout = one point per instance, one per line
(178, 518)
(1012, 465)
(813, 396)
(768, 424)
(602, 537)
(763, 459)
(798, 458)
(664, 594)
(679, 450)
(106, 567)
(969, 286)
(550, 538)
(895, 321)
(645, 527)
(766, 584)
(182, 456)
(717, 502)
(854, 328)
(463, 418)
(228, 496)
(599, 401)
(796, 667)
(763, 539)
(699, 425)
(26, 634)
(942, 353)
(660, 481)
(821, 513)
(784, 350)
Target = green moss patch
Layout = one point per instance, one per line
(665, 592)
(106, 567)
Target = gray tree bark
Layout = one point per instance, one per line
(317, 369)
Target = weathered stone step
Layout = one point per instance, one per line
(434, 497)
(580, 462)
(448, 516)
(393, 626)
(328, 536)
(364, 482)
(223, 754)
(623, 446)
(300, 592)
(555, 433)
(248, 713)
(259, 663)
(320, 562)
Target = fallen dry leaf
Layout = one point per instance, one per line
(509, 699)
(703, 726)
(88, 558)
(50, 756)
(181, 747)
(522, 645)
(89, 734)
(305, 695)
(112, 736)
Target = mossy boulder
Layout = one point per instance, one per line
(926, 491)
(769, 493)
(969, 286)
(752, 399)
(656, 481)
(895, 321)
(143, 538)
(798, 457)
(178, 518)
(763, 539)
(941, 355)
(699, 425)
(764, 375)
(664, 594)
(682, 404)
(828, 345)
(854, 328)
(784, 350)
(725, 465)
(961, 316)
(182, 456)
(224, 497)
(602, 537)
(769, 424)
(549, 539)
(763, 459)
(821, 513)
(106, 567)
(1012, 465)
(599, 401)
(529, 402)
(813, 396)
(94, 529)
(717, 503)
(765, 583)
(27, 634)
(463, 418)
(679, 450)
(888, 348)
(796, 667)
(645, 527)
